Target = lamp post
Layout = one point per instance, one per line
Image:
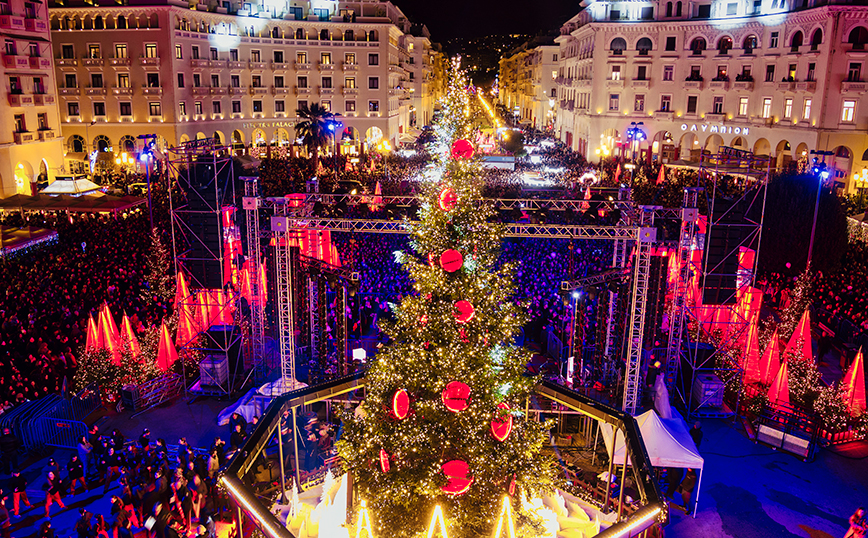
(861, 181)
(334, 127)
(385, 147)
(635, 134)
(822, 174)
(146, 156)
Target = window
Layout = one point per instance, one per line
(42, 121)
(72, 109)
(854, 74)
(717, 105)
(618, 45)
(20, 124)
(150, 50)
(668, 72)
(279, 106)
(182, 108)
(732, 9)
(757, 6)
(96, 80)
(327, 105)
(197, 107)
(373, 106)
(698, 45)
(350, 58)
(126, 108)
(616, 72)
(70, 81)
(215, 107)
(767, 107)
(93, 51)
(195, 52)
(236, 107)
(302, 104)
(278, 56)
(773, 40)
(154, 80)
(670, 43)
(99, 109)
(749, 44)
(373, 59)
(155, 109)
(257, 106)
(215, 81)
(677, 9)
(123, 80)
(695, 72)
(641, 72)
(721, 73)
(806, 109)
(233, 55)
(791, 73)
(811, 68)
(554, 56)
(256, 81)
(327, 82)
(668, 9)
(179, 52)
(665, 103)
(120, 50)
(350, 106)
(373, 83)
(639, 103)
(788, 108)
(302, 82)
(770, 73)
(691, 104)
(255, 56)
(614, 102)
(325, 58)
(38, 85)
(644, 45)
(67, 52)
(647, 13)
(278, 81)
(301, 57)
(703, 11)
(213, 52)
(235, 81)
(848, 111)
(742, 106)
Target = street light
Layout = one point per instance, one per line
(861, 181)
(334, 127)
(635, 134)
(821, 172)
(146, 156)
(385, 147)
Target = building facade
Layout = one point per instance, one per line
(238, 75)
(30, 144)
(528, 85)
(764, 76)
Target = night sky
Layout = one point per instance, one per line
(447, 19)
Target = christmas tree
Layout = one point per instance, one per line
(441, 423)
(161, 281)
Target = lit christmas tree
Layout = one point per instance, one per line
(161, 280)
(442, 421)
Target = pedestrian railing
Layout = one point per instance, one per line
(59, 432)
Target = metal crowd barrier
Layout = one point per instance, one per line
(59, 432)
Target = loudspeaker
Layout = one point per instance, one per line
(721, 245)
(202, 260)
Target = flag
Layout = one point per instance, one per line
(854, 386)
(661, 177)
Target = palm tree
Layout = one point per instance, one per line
(314, 128)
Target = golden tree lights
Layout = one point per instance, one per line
(461, 445)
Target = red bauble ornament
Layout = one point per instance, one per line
(455, 396)
(401, 404)
(462, 149)
(456, 471)
(451, 260)
(463, 311)
(384, 461)
(501, 426)
(424, 319)
(448, 199)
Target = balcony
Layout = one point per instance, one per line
(201, 90)
(66, 62)
(20, 99)
(122, 90)
(43, 99)
(152, 90)
(47, 134)
(95, 90)
(24, 137)
(350, 67)
(236, 90)
(279, 90)
(259, 90)
(149, 62)
(302, 67)
(848, 86)
(15, 61)
(69, 91)
(744, 85)
(199, 63)
(664, 115)
(38, 62)
(640, 83)
(326, 67)
(806, 86)
(719, 84)
(12, 22)
(785, 86)
(259, 66)
(694, 84)
(35, 25)
(92, 62)
(119, 62)
(350, 91)
(219, 90)
(279, 66)
(716, 117)
(614, 83)
(302, 91)
(235, 64)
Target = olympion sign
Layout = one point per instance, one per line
(722, 129)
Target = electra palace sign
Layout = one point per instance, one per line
(721, 129)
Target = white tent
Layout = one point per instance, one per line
(667, 442)
(72, 185)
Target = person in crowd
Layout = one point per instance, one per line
(19, 492)
(83, 525)
(75, 470)
(5, 522)
(53, 493)
(696, 433)
(686, 488)
(9, 445)
(45, 530)
(145, 439)
(858, 527)
(238, 437)
(85, 455)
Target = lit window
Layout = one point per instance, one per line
(668, 72)
(806, 110)
(767, 107)
(742, 106)
(639, 104)
(717, 105)
(154, 108)
(848, 112)
(350, 106)
(614, 100)
(788, 107)
(616, 72)
(182, 108)
(665, 103)
(179, 52)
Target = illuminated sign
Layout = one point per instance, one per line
(263, 124)
(712, 128)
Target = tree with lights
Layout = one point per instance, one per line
(441, 423)
(161, 282)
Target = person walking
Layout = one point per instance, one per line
(857, 524)
(19, 492)
(75, 470)
(5, 523)
(9, 448)
(696, 433)
(686, 488)
(85, 455)
(52, 495)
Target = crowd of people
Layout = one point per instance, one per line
(844, 293)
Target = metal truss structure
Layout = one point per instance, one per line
(204, 175)
(250, 204)
(690, 353)
(527, 204)
(610, 275)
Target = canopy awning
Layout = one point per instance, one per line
(74, 185)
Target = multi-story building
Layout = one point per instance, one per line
(183, 71)
(30, 147)
(766, 76)
(528, 84)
